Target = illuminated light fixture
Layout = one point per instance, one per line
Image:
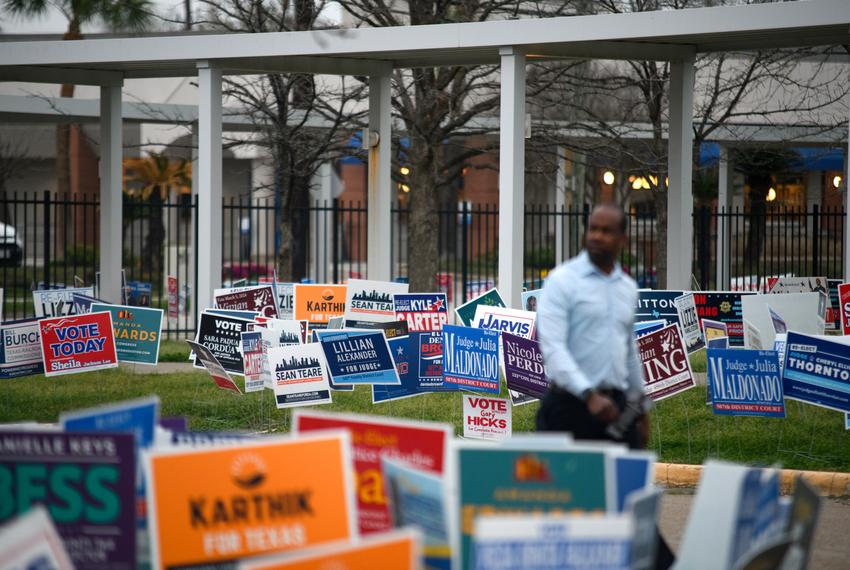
(771, 195)
(632, 179)
(644, 183)
(608, 177)
(405, 188)
(666, 181)
(636, 184)
(653, 179)
(404, 170)
(836, 181)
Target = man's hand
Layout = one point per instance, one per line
(602, 407)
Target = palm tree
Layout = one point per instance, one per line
(150, 181)
(132, 15)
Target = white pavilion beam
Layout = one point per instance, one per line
(111, 207)
(511, 174)
(380, 191)
(723, 255)
(680, 200)
(209, 183)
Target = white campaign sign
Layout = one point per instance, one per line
(486, 418)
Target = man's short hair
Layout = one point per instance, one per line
(624, 218)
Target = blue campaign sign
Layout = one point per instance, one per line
(655, 305)
(646, 327)
(633, 472)
(137, 332)
(358, 357)
(404, 356)
(429, 361)
(745, 382)
(138, 417)
(817, 371)
(471, 358)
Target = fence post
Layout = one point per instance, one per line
(464, 246)
(703, 242)
(48, 228)
(815, 240)
(335, 233)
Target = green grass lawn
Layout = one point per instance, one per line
(684, 429)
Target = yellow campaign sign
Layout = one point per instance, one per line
(318, 303)
(399, 550)
(225, 503)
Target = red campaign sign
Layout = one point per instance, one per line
(666, 368)
(422, 445)
(844, 306)
(79, 343)
(173, 298)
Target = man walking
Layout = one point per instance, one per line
(585, 324)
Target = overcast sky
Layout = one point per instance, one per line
(55, 22)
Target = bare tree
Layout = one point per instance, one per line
(436, 106)
(303, 120)
(624, 105)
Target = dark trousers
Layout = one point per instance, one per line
(561, 411)
(564, 412)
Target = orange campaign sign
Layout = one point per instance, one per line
(318, 303)
(220, 504)
(399, 550)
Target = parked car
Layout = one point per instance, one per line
(11, 246)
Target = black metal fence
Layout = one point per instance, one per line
(46, 240)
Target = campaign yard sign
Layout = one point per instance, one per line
(689, 322)
(173, 296)
(817, 371)
(833, 320)
(654, 305)
(486, 418)
(255, 361)
(466, 313)
(20, 353)
(424, 312)
(844, 307)
(530, 298)
(403, 353)
(137, 332)
(399, 550)
(418, 498)
(713, 329)
(138, 417)
(216, 371)
(317, 304)
(80, 343)
(522, 363)
(419, 444)
(745, 383)
(57, 302)
(299, 375)
(725, 307)
(371, 301)
(222, 335)
(492, 480)
(259, 299)
(358, 357)
(666, 368)
(471, 358)
(502, 319)
(550, 541)
(429, 361)
(30, 542)
(255, 497)
(86, 481)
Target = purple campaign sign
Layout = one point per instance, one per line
(522, 362)
(87, 481)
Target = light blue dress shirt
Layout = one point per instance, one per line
(585, 322)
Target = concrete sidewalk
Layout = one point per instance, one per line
(831, 549)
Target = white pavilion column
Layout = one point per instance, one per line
(209, 184)
(380, 189)
(561, 222)
(725, 179)
(111, 198)
(511, 175)
(680, 200)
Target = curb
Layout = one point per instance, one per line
(673, 475)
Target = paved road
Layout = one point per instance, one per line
(832, 537)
